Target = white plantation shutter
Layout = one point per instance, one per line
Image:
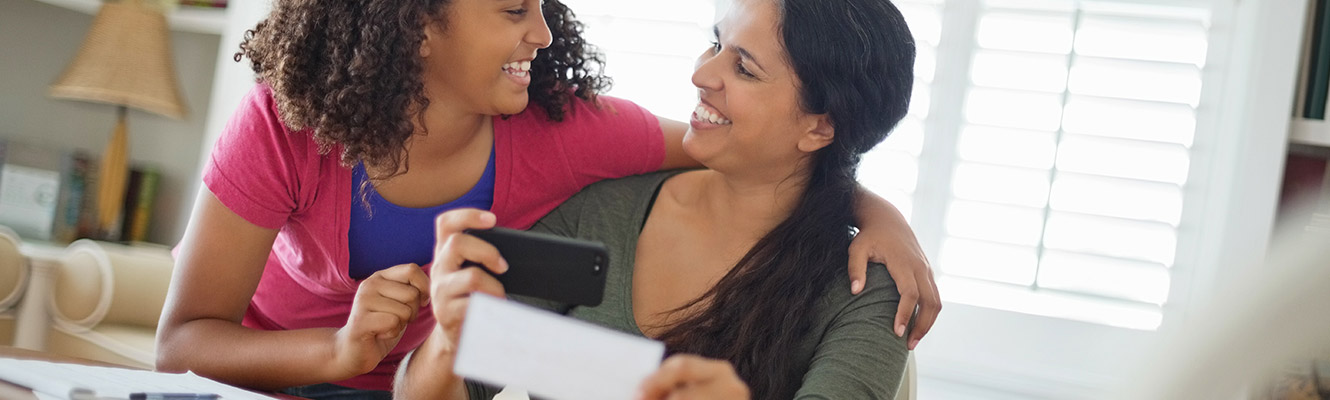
(1056, 173)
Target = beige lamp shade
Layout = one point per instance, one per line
(125, 60)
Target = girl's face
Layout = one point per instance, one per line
(749, 118)
(479, 60)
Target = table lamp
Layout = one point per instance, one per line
(125, 60)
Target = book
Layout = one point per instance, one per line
(139, 200)
(204, 3)
(1304, 63)
(117, 232)
(73, 189)
(1318, 85)
(87, 222)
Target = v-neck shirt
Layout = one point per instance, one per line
(851, 351)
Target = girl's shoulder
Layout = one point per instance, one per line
(601, 112)
(257, 122)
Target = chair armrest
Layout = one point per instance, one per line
(100, 282)
(14, 270)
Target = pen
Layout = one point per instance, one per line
(173, 396)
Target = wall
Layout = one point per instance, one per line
(1255, 115)
(233, 79)
(37, 40)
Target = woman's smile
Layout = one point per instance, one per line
(519, 72)
(707, 117)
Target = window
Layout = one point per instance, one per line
(650, 48)
(1055, 140)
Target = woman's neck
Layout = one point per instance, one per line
(748, 206)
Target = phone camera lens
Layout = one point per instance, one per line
(595, 270)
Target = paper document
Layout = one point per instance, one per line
(505, 343)
(80, 382)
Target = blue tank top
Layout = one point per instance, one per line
(396, 235)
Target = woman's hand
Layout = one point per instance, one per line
(686, 376)
(451, 284)
(384, 304)
(885, 237)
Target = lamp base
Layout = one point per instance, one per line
(111, 180)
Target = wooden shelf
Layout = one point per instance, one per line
(1313, 132)
(185, 18)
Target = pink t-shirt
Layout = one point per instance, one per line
(276, 179)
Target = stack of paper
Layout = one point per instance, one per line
(50, 380)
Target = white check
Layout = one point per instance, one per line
(505, 343)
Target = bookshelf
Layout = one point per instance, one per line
(185, 18)
(56, 30)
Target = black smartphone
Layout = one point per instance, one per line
(548, 266)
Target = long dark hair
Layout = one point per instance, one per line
(350, 71)
(855, 62)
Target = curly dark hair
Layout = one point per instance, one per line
(350, 71)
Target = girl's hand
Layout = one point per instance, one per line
(428, 372)
(451, 284)
(384, 304)
(686, 376)
(885, 237)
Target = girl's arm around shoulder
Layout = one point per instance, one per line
(886, 237)
(610, 139)
(675, 158)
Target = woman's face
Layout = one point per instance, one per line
(748, 118)
(479, 61)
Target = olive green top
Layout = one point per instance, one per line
(852, 352)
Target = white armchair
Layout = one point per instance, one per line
(105, 302)
(909, 389)
(14, 271)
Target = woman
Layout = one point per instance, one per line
(301, 265)
(734, 267)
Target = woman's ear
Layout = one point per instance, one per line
(819, 135)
